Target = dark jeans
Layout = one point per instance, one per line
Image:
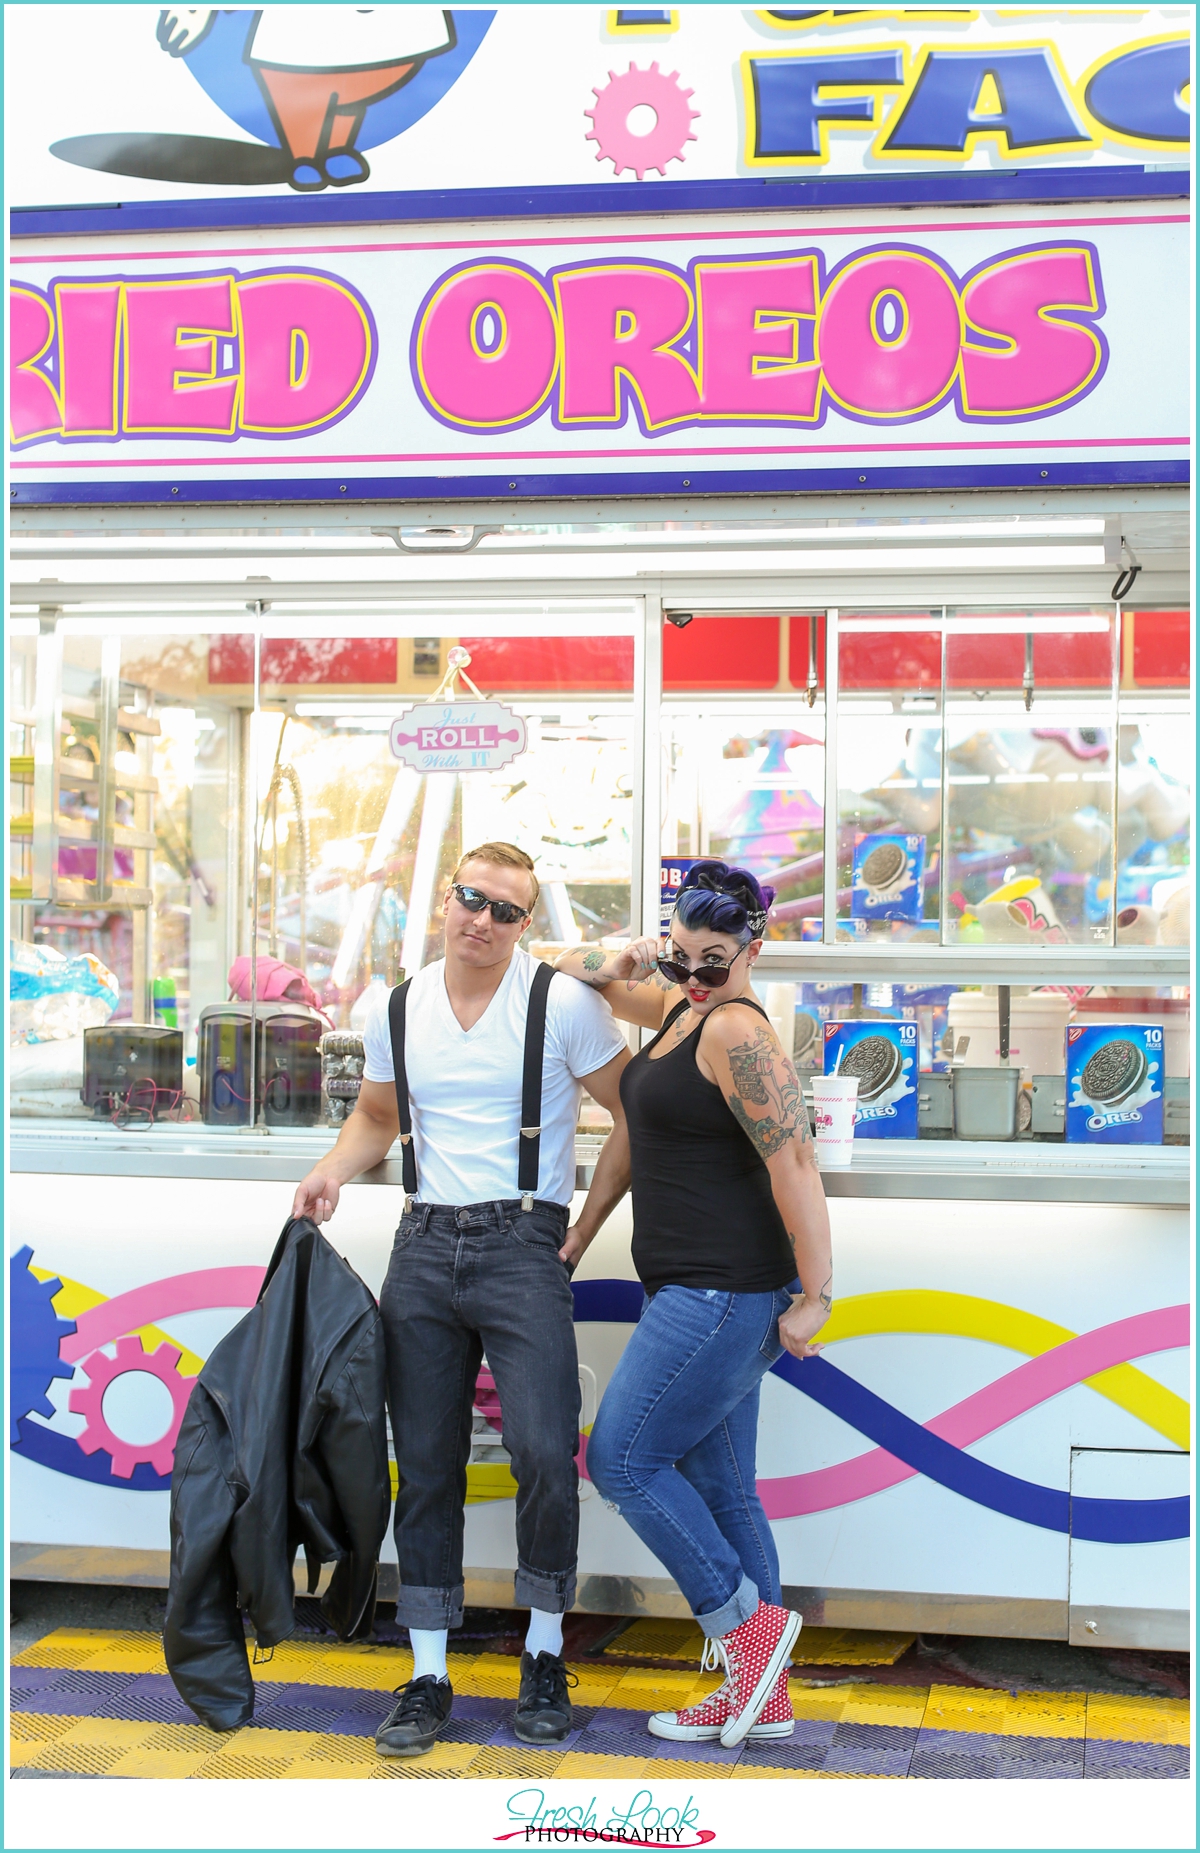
(461, 1282)
(674, 1443)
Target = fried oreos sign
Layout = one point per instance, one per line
(1051, 347)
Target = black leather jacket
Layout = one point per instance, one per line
(283, 1444)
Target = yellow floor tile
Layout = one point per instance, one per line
(444, 1760)
(1138, 1720)
(485, 1676)
(1003, 1714)
(312, 1769)
(160, 1765)
(849, 1647)
(667, 1770)
(243, 1769)
(1047, 1714)
(27, 1727)
(417, 1769)
(891, 1705)
(77, 1759)
(807, 1702)
(498, 1761)
(123, 1732)
(584, 1763)
(659, 1638)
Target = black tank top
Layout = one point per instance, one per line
(703, 1211)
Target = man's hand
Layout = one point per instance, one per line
(800, 1324)
(316, 1197)
(575, 1246)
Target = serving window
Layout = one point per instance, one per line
(184, 798)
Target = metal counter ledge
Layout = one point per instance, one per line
(1023, 1171)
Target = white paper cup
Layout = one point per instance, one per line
(835, 1098)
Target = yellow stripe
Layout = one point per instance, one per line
(74, 1298)
(962, 1315)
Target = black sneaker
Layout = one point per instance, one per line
(425, 1705)
(543, 1714)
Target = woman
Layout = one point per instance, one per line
(727, 1208)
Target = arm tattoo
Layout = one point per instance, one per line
(826, 1294)
(767, 1136)
(765, 1077)
(592, 961)
(664, 984)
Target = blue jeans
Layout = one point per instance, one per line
(674, 1443)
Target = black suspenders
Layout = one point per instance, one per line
(530, 1142)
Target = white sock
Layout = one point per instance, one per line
(545, 1634)
(429, 1652)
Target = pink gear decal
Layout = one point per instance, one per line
(610, 121)
(103, 1370)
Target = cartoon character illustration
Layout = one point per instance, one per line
(319, 68)
(312, 87)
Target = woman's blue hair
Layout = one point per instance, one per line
(725, 899)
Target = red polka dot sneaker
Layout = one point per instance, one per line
(703, 1723)
(754, 1654)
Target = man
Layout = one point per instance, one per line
(478, 1267)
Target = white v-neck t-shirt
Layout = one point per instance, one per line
(465, 1085)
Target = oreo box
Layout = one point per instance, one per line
(884, 1057)
(1115, 1084)
(889, 878)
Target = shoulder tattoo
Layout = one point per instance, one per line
(763, 1076)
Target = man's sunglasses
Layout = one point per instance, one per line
(710, 974)
(474, 900)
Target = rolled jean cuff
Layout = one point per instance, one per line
(429, 1608)
(739, 1608)
(553, 1591)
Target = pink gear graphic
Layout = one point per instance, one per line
(610, 121)
(103, 1370)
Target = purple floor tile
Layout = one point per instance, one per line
(503, 1737)
(497, 1710)
(160, 1708)
(657, 1749)
(326, 1698)
(811, 1731)
(782, 1754)
(34, 1678)
(941, 1765)
(150, 1685)
(468, 1731)
(615, 1718)
(985, 1743)
(1106, 1761)
(1028, 1769)
(68, 1704)
(72, 1679)
(304, 1718)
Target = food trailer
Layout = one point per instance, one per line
(822, 507)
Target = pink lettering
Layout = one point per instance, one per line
(749, 317)
(308, 349)
(486, 346)
(1047, 360)
(889, 334)
(619, 324)
(89, 325)
(173, 332)
(33, 404)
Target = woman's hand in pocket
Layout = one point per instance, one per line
(800, 1325)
